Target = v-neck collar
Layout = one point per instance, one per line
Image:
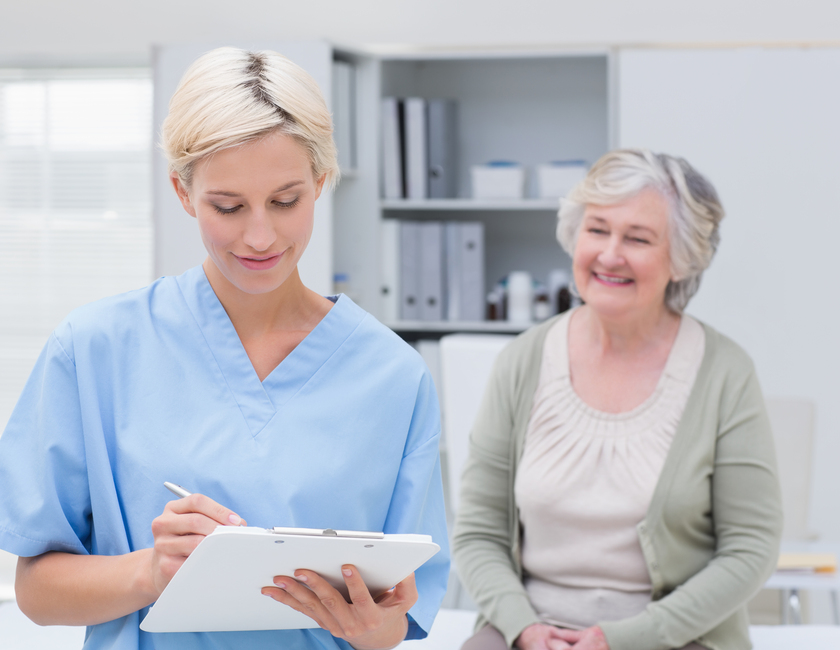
(259, 401)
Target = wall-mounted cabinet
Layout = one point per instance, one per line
(531, 109)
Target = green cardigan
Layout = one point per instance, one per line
(711, 535)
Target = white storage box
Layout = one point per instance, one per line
(498, 180)
(556, 179)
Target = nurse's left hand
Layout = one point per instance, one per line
(365, 623)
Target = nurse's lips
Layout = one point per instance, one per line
(259, 263)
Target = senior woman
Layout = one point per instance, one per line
(621, 490)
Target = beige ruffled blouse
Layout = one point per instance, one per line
(585, 481)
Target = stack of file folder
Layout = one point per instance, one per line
(433, 271)
(418, 148)
(344, 113)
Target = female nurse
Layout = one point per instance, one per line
(272, 403)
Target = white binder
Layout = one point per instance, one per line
(416, 149)
(443, 149)
(218, 588)
(390, 268)
(344, 113)
(431, 271)
(472, 271)
(452, 273)
(409, 270)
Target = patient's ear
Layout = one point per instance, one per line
(676, 277)
(183, 194)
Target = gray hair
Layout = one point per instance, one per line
(694, 218)
(229, 97)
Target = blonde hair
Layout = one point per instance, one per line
(693, 221)
(229, 97)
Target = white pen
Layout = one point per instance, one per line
(176, 489)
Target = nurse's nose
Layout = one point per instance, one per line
(259, 231)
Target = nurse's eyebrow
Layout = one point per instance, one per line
(282, 188)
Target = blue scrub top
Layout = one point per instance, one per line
(154, 385)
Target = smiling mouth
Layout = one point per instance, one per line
(613, 280)
(259, 263)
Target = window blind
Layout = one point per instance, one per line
(75, 202)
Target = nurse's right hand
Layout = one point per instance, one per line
(180, 528)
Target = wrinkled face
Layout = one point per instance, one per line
(254, 205)
(622, 262)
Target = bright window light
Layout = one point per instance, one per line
(75, 202)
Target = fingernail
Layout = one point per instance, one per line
(347, 572)
(282, 585)
(302, 578)
(234, 519)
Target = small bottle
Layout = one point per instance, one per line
(564, 299)
(502, 299)
(542, 306)
(557, 280)
(520, 297)
(341, 283)
(496, 300)
(492, 306)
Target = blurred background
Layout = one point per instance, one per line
(747, 91)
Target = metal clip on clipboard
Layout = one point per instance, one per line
(326, 532)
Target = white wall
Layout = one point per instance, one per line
(762, 124)
(58, 30)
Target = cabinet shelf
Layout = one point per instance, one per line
(451, 327)
(475, 205)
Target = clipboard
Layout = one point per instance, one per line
(217, 589)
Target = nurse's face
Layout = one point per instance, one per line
(254, 204)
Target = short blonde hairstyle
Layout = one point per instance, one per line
(694, 218)
(229, 97)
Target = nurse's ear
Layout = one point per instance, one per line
(319, 185)
(183, 194)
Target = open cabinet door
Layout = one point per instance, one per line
(177, 242)
(764, 125)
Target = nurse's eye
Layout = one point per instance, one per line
(597, 231)
(639, 240)
(287, 204)
(222, 210)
